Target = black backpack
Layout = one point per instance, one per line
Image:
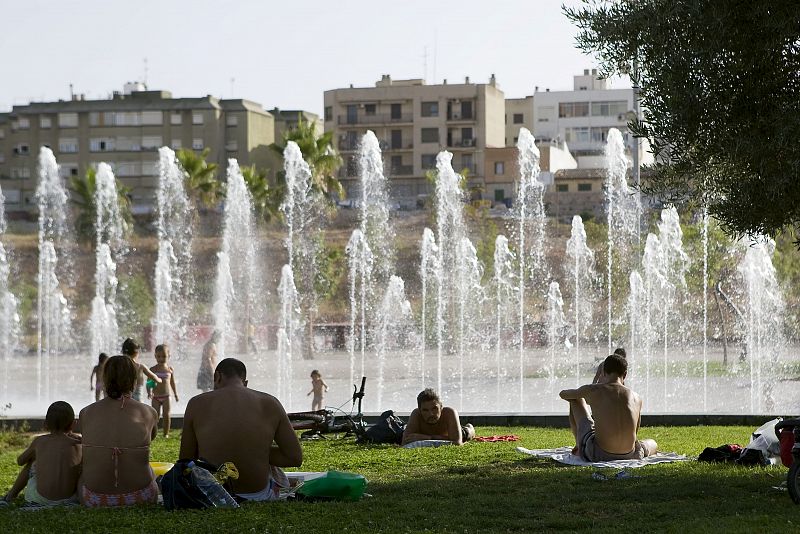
(178, 490)
(388, 429)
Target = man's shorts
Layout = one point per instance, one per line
(592, 452)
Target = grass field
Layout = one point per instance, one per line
(480, 487)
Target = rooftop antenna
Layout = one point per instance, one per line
(145, 73)
(71, 93)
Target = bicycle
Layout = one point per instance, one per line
(332, 420)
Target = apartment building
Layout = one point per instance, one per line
(414, 122)
(126, 131)
(287, 119)
(581, 118)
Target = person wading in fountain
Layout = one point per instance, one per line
(430, 420)
(616, 409)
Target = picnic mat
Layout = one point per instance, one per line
(564, 455)
(427, 443)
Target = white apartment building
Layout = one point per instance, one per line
(581, 118)
(414, 122)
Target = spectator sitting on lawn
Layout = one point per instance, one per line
(51, 463)
(235, 424)
(431, 421)
(617, 417)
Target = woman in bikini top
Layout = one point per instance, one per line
(117, 432)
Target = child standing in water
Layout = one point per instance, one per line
(97, 377)
(160, 392)
(318, 388)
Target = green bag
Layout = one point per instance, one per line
(335, 485)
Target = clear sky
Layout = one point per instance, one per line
(282, 54)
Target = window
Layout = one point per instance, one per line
(151, 142)
(20, 172)
(101, 144)
(22, 149)
(197, 144)
(397, 139)
(328, 113)
(397, 162)
(65, 171)
(45, 122)
(466, 109)
(149, 168)
(518, 118)
(352, 114)
(24, 123)
(175, 119)
(397, 112)
(576, 135)
(467, 163)
(430, 109)
(499, 195)
(369, 109)
(68, 120)
(430, 135)
(232, 146)
(428, 161)
(231, 120)
(609, 109)
(94, 118)
(122, 118)
(67, 145)
(466, 133)
(128, 144)
(197, 118)
(573, 109)
(12, 196)
(176, 144)
(152, 118)
(584, 187)
(599, 135)
(562, 188)
(499, 168)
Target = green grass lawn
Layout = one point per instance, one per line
(486, 487)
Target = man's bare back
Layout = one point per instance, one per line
(235, 424)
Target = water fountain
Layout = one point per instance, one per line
(583, 277)
(504, 290)
(173, 268)
(360, 262)
(53, 313)
(9, 316)
(375, 224)
(430, 271)
(393, 314)
(239, 290)
(289, 326)
(109, 243)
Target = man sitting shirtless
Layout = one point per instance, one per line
(432, 421)
(235, 424)
(617, 416)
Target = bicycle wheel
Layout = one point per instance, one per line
(793, 481)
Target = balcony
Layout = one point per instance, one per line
(401, 146)
(402, 170)
(462, 143)
(468, 117)
(378, 118)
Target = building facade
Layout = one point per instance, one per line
(126, 131)
(581, 118)
(414, 122)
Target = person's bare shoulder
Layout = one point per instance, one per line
(449, 412)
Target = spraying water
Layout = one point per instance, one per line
(469, 295)
(582, 274)
(173, 269)
(430, 270)
(109, 243)
(360, 261)
(53, 315)
(375, 224)
(289, 325)
(9, 316)
(531, 218)
(504, 287)
(555, 323)
(239, 291)
(393, 314)
(622, 212)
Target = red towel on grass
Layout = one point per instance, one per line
(508, 437)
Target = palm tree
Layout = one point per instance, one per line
(266, 198)
(319, 153)
(83, 199)
(201, 182)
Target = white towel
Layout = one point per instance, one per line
(564, 455)
(427, 443)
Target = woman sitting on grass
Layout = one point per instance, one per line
(117, 432)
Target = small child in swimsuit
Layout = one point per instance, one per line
(160, 392)
(97, 377)
(318, 388)
(51, 465)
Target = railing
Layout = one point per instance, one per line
(402, 170)
(378, 118)
(461, 116)
(466, 143)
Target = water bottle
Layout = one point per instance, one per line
(212, 489)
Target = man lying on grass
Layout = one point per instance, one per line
(611, 435)
(236, 424)
(430, 420)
